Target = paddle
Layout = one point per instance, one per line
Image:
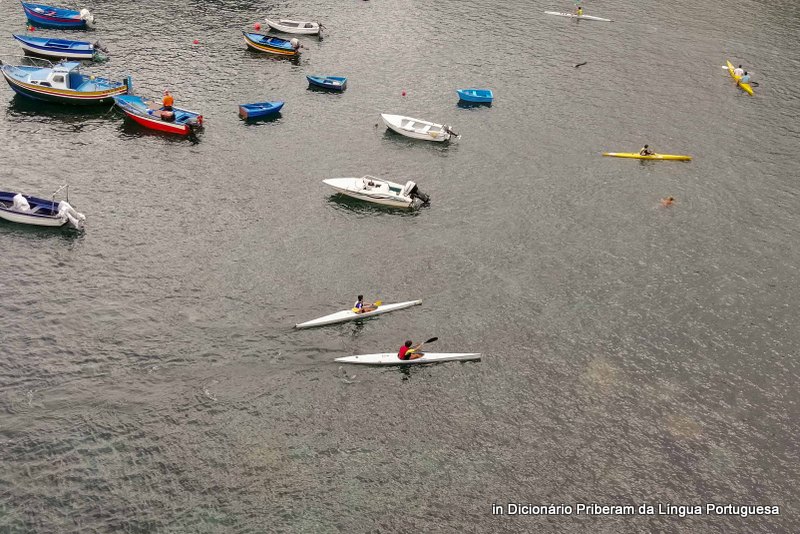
(431, 340)
(579, 64)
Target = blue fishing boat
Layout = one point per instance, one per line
(63, 84)
(56, 17)
(273, 45)
(57, 48)
(483, 96)
(177, 121)
(259, 109)
(334, 83)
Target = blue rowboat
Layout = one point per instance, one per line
(57, 48)
(259, 109)
(62, 84)
(56, 17)
(273, 45)
(334, 83)
(475, 95)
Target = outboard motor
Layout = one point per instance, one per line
(413, 191)
(451, 132)
(87, 16)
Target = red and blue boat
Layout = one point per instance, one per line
(46, 16)
(63, 84)
(178, 121)
(272, 45)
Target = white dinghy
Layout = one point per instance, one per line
(418, 129)
(379, 191)
(390, 358)
(350, 315)
(295, 26)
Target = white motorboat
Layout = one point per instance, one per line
(295, 26)
(350, 315)
(379, 191)
(418, 129)
(390, 358)
(24, 209)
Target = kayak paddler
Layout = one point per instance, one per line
(407, 352)
(362, 307)
(645, 151)
(667, 202)
(745, 78)
(579, 11)
(738, 71)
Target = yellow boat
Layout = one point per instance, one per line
(636, 155)
(745, 86)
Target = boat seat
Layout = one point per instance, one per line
(426, 129)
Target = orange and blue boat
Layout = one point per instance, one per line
(272, 45)
(63, 84)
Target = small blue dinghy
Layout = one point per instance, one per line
(484, 96)
(259, 109)
(334, 83)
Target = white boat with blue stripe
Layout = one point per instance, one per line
(58, 48)
(34, 211)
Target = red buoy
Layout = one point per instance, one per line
(196, 41)
(257, 26)
(403, 93)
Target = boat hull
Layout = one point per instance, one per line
(399, 124)
(59, 18)
(297, 30)
(579, 17)
(349, 315)
(635, 155)
(275, 48)
(62, 96)
(743, 86)
(41, 49)
(390, 358)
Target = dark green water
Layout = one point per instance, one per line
(150, 378)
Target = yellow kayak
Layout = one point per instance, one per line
(636, 155)
(745, 86)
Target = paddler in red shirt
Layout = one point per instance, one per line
(407, 352)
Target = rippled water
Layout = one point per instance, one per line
(151, 378)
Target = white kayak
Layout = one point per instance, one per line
(417, 128)
(390, 358)
(380, 191)
(574, 16)
(350, 315)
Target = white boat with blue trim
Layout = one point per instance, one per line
(34, 211)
